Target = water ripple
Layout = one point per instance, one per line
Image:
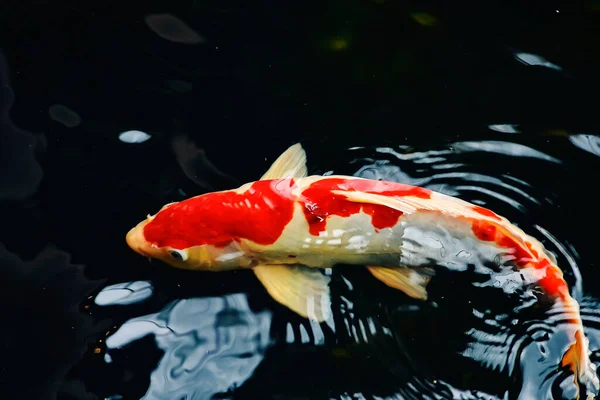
(446, 170)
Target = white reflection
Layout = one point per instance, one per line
(458, 394)
(475, 177)
(507, 148)
(210, 345)
(499, 196)
(133, 137)
(413, 155)
(438, 390)
(532, 59)
(504, 128)
(589, 143)
(381, 170)
(124, 293)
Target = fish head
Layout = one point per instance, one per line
(167, 237)
(179, 258)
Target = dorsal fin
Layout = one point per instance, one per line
(290, 164)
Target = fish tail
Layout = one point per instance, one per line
(577, 357)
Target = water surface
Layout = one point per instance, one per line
(107, 113)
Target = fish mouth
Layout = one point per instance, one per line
(136, 241)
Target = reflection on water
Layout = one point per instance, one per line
(504, 128)
(124, 293)
(533, 59)
(134, 136)
(471, 341)
(589, 143)
(503, 147)
(211, 345)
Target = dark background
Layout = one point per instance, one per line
(267, 75)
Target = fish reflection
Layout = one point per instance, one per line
(211, 345)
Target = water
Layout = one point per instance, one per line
(494, 105)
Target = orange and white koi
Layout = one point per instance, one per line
(287, 226)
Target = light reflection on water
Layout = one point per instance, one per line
(211, 345)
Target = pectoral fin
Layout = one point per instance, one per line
(405, 279)
(301, 289)
(290, 164)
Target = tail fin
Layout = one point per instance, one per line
(576, 359)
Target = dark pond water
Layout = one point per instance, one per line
(493, 103)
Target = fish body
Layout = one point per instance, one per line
(287, 226)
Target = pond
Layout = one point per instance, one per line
(109, 112)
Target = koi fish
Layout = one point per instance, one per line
(287, 225)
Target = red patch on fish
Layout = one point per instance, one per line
(319, 202)
(486, 212)
(525, 255)
(484, 231)
(492, 232)
(553, 283)
(260, 214)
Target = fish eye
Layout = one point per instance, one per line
(178, 255)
